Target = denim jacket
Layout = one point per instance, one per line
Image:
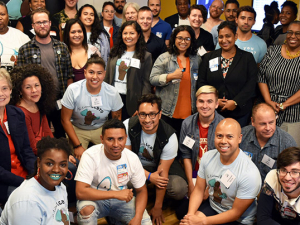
(164, 65)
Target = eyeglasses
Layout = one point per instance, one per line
(229, 10)
(290, 34)
(283, 173)
(107, 11)
(40, 23)
(151, 115)
(185, 39)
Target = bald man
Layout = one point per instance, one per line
(232, 179)
(263, 140)
(215, 11)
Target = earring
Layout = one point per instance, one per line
(70, 177)
(20, 95)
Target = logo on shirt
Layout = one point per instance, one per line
(217, 195)
(62, 215)
(88, 117)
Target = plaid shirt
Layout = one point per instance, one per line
(30, 53)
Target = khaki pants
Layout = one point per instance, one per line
(293, 129)
(87, 136)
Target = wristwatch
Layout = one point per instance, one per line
(77, 146)
(281, 107)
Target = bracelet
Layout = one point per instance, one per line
(77, 146)
(149, 176)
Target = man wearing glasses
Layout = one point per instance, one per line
(279, 199)
(155, 142)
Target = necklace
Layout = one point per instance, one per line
(290, 55)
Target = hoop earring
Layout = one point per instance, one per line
(70, 177)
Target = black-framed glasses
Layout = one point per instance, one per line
(151, 115)
(290, 33)
(185, 39)
(107, 11)
(293, 174)
(40, 23)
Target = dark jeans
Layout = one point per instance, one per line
(55, 117)
(125, 115)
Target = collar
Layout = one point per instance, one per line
(270, 142)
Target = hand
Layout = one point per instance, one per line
(230, 105)
(158, 180)
(72, 160)
(222, 102)
(278, 106)
(124, 195)
(135, 221)
(157, 216)
(177, 74)
(191, 188)
(274, 106)
(78, 152)
(193, 219)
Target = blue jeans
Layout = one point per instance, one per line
(119, 211)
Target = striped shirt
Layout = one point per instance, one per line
(283, 79)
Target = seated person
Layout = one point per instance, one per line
(42, 197)
(155, 143)
(232, 178)
(263, 140)
(102, 178)
(278, 201)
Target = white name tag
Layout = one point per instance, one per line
(32, 31)
(227, 178)
(213, 64)
(7, 127)
(58, 104)
(201, 51)
(188, 142)
(268, 161)
(96, 101)
(136, 63)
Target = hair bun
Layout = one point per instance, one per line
(274, 5)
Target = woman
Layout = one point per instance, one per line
(130, 12)
(271, 18)
(42, 198)
(108, 23)
(95, 34)
(25, 23)
(278, 81)
(129, 67)
(80, 50)
(233, 72)
(287, 15)
(88, 103)
(17, 158)
(174, 74)
(204, 39)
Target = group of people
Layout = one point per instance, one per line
(186, 89)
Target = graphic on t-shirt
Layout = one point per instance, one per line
(122, 70)
(62, 215)
(88, 117)
(145, 153)
(217, 195)
(105, 183)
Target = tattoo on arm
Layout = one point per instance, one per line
(117, 114)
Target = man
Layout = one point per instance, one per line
(159, 27)
(180, 18)
(11, 39)
(102, 177)
(197, 134)
(230, 13)
(263, 140)
(155, 45)
(156, 145)
(51, 54)
(279, 199)
(119, 5)
(215, 11)
(233, 181)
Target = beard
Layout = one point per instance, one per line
(42, 35)
(119, 10)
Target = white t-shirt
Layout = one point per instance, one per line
(32, 204)
(147, 144)
(105, 174)
(246, 185)
(10, 44)
(86, 115)
(121, 82)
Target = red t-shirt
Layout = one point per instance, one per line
(203, 132)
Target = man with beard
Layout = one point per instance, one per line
(215, 11)
(279, 199)
(180, 18)
(52, 55)
(230, 13)
(155, 45)
(119, 5)
(160, 28)
(155, 143)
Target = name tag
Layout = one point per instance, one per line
(58, 104)
(201, 51)
(135, 63)
(7, 127)
(32, 31)
(227, 178)
(52, 33)
(188, 142)
(213, 64)
(268, 161)
(122, 173)
(96, 101)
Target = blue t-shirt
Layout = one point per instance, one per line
(162, 30)
(255, 45)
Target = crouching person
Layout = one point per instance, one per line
(102, 177)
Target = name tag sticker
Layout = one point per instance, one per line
(213, 64)
(96, 101)
(52, 33)
(227, 178)
(201, 51)
(122, 173)
(32, 31)
(7, 127)
(136, 63)
(188, 142)
(58, 104)
(268, 161)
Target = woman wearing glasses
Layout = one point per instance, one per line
(174, 74)
(233, 72)
(278, 81)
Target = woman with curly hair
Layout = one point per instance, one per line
(33, 94)
(96, 35)
(129, 67)
(174, 74)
